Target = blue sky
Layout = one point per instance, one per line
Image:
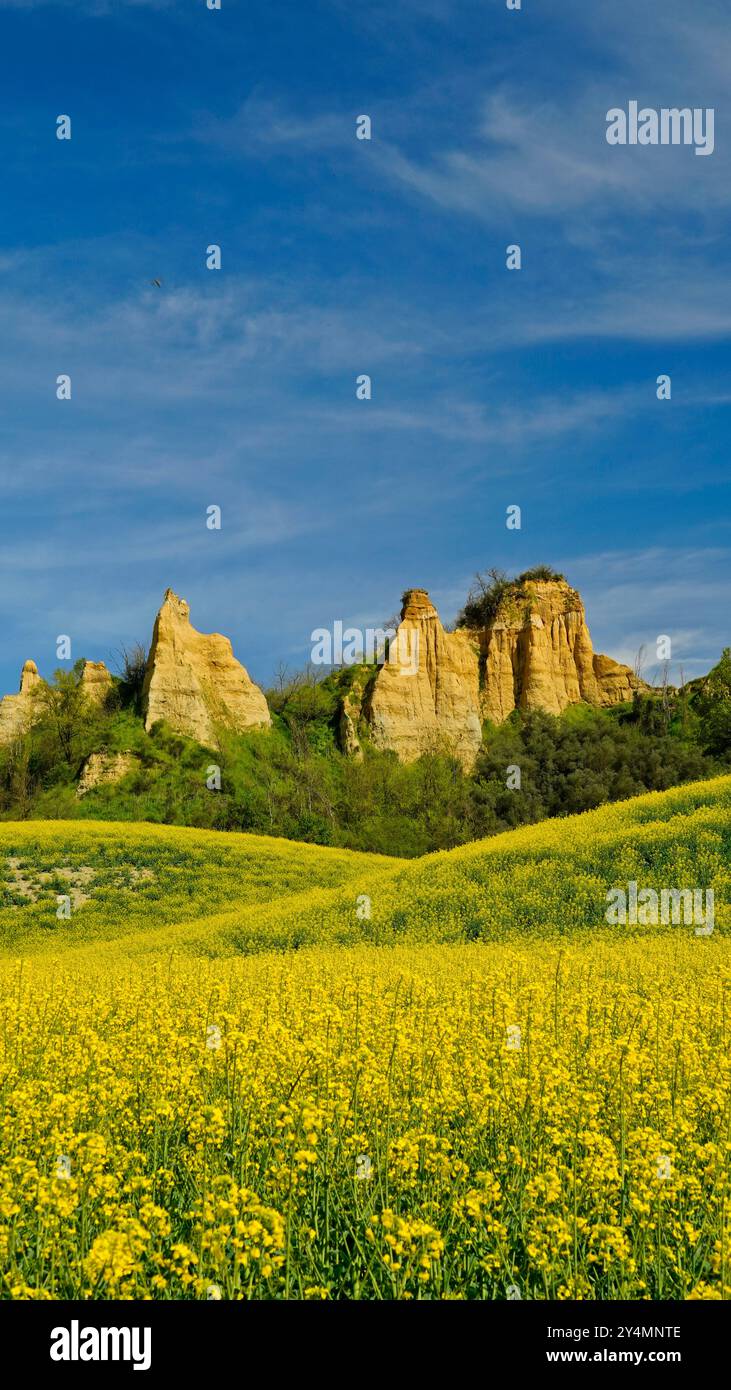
(342, 257)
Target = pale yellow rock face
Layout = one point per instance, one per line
(349, 741)
(194, 682)
(429, 697)
(104, 767)
(616, 682)
(96, 681)
(18, 711)
(536, 655)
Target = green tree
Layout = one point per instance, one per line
(713, 705)
(65, 713)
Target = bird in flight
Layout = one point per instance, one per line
(157, 283)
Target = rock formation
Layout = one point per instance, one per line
(535, 654)
(616, 682)
(427, 693)
(436, 689)
(194, 682)
(17, 711)
(96, 682)
(104, 767)
(349, 713)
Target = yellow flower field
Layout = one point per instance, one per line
(425, 1110)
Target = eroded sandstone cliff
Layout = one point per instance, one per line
(96, 681)
(18, 711)
(101, 768)
(536, 653)
(435, 690)
(429, 696)
(194, 682)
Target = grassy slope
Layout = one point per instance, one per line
(495, 1166)
(546, 878)
(139, 879)
(219, 894)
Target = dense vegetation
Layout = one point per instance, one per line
(294, 782)
(490, 589)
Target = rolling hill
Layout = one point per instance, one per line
(250, 1069)
(152, 887)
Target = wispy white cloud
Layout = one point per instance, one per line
(263, 123)
(550, 160)
(468, 421)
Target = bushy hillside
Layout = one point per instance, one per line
(294, 781)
